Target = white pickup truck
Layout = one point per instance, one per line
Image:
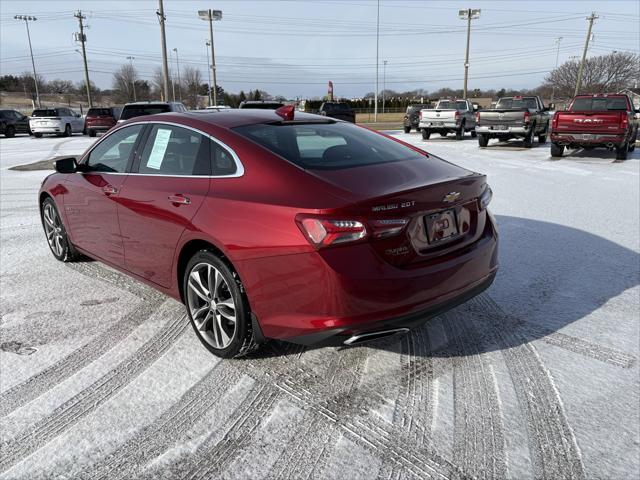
(457, 116)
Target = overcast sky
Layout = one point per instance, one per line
(294, 47)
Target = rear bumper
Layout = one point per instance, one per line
(445, 125)
(508, 131)
(99, 128)
(325, 296)
(579, 139)
(58, 129)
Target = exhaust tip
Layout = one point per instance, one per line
(370, 336)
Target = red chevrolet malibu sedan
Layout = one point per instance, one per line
(276, 224)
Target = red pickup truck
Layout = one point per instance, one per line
(603, 120)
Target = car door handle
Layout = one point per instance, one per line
(179, 199)
(109, 190)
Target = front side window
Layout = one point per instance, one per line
(112, 154)
(171, 150)
(327, 146)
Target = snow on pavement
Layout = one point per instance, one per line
(101, 376)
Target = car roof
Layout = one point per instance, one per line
(232, 118)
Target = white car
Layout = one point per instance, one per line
(58, 120)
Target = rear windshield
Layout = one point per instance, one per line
(131, 111)
(336, 107)
(327, 146)
(586, 104)
(94, 112)
(452, 105)
(45, 112)
(526, 102)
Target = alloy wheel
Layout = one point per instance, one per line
(53, 229)
(211, 305)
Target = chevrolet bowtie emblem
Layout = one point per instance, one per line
(451, 197)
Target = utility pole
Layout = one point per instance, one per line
(468, 15)
(210, 16)
(375, 107)
(83, 38)
(591, 19)
(133, 78)
(553, 90)
(163, 41)
(208, 44)
(178, 67)
(27, 19)
(384, 82)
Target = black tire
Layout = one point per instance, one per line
(9, 131)
(67, 131)
(528, 140)
(92, 133)
(632, 142)
(460, 132)
(444, 134)
(483, 139)
(242, 340)
(58, 240)
(542, 138)
(426, 133)
(407, 129)
(474, 134)
(37, 135)
(557, 150)
(622, 152)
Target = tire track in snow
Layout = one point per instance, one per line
(553, 446)
(40, 383)
(308, 458)
(478, 435)
(174, 424)
(76, 408)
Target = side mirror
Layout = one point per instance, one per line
(66, 165)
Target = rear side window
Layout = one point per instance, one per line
(171, 150)
(587, 104)
(95, 112)
(45, 112)
(112, 154)
(131, 111)
(327, 146)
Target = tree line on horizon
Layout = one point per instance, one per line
(605, 73)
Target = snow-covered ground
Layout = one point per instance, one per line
(536, 378)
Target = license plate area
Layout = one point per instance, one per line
(441, 226)
(588, 136)
(500, 127)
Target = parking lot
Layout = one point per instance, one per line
(538, 377)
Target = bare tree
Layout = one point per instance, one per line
(605, 73)
(123, 83)
(61, 87)
(191, 83)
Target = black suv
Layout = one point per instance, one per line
(12, 122)
(412, 117)
(339, 110)
(261, 104)
(140, 109)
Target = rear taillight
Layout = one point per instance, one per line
(420, 115)
(457, 116)
(322, 232)
(527, 117)
(624, 122)
(477, 118)
(554, 122)
(485, 198)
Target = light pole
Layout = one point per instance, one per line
(178, 67)
(468, 15)
(27, 19)
(375, 107)
(208, 44)
(173, 79)
(553, 90)
(210, 16)
(133, 78)
(384, 82)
